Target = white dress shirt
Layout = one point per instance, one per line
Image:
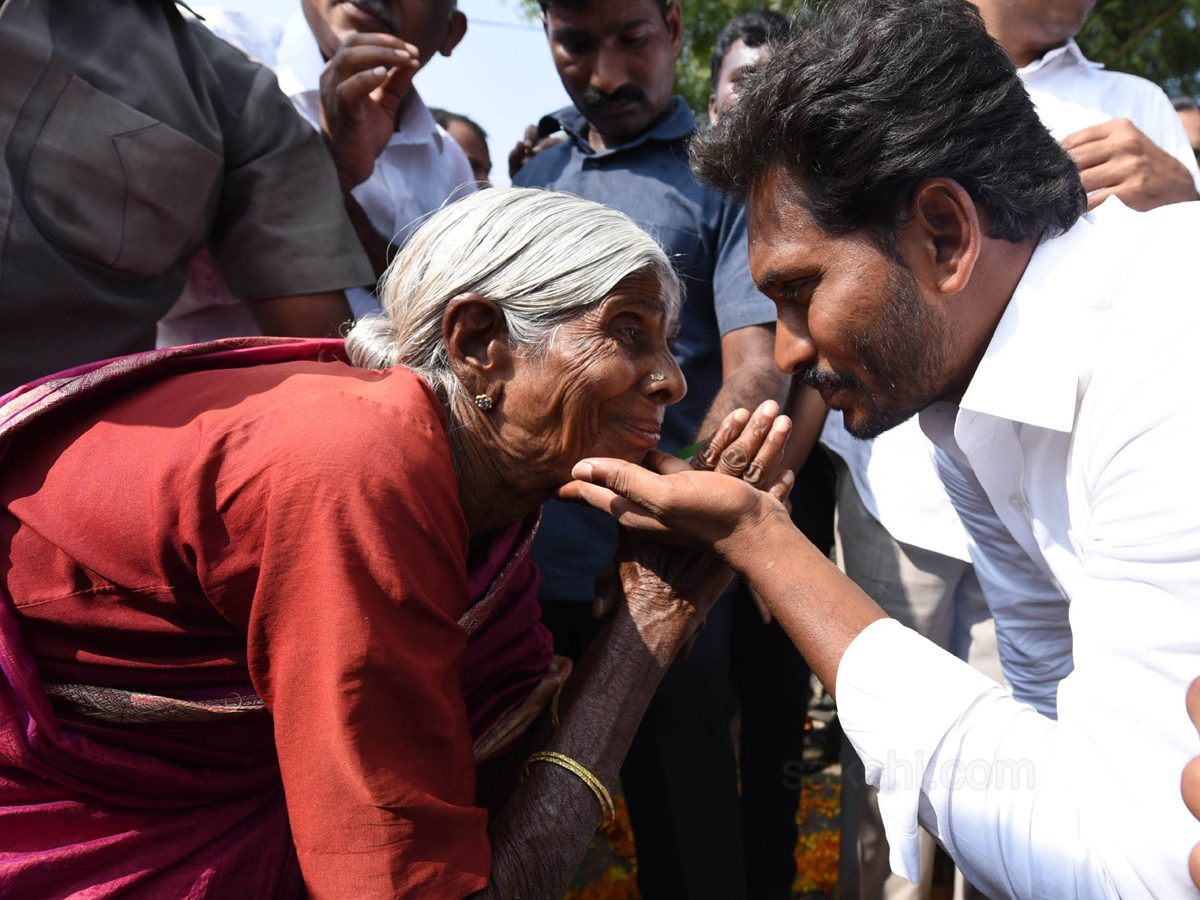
(1072, 462)
(894, 474)
(419, 170)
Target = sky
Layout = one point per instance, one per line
(501, 75)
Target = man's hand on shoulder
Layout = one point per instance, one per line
(362, 88)
(1117, 158)
(527, 148)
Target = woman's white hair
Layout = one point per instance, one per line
(540, 256)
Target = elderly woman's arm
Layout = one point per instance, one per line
(542, 833)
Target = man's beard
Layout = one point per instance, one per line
(902, 352)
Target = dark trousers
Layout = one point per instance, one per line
(680, 777)
(772, 684)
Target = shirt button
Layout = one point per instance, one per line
(1017, 502)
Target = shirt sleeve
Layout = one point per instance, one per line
(348, 536)
(737, 301)
(1015, 798)
(281, 226)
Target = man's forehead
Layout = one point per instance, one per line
(602, 16)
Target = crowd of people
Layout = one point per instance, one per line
(361, 523)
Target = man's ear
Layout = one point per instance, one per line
(712, 110)
(674, 19)
(942, 238)
(455, 33)
(476, 337)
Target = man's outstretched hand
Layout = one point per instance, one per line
(362, 88)
(1116, 158)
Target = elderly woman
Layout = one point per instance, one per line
(264, 610)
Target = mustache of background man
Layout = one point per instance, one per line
(380, 10)
(598, 101)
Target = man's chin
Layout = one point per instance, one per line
(871, 423)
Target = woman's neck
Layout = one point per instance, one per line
(491, 484)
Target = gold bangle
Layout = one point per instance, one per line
(607, 811)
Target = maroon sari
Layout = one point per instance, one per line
(100, 796)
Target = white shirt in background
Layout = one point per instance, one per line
(1072, 462)
(419, 170)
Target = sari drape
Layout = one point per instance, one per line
(95, 802)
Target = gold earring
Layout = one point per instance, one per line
(483, 401)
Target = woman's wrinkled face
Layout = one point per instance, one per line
(599, 389)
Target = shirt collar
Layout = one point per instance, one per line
(1031, 370)
(1069, 54)
(679, 122)
(299, 64)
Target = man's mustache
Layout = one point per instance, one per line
(379, 9)
(597, 99)
(817, 378)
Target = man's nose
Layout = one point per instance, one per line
(794, 348)
(609, 73)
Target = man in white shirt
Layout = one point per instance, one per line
(926, 244)
(899, 536)
(347, 66)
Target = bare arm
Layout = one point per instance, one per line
(302, 315)
(542, 833)
(820, 608)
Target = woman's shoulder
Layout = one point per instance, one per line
(327, 416)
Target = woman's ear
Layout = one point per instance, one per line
(476, 337)
(943, 235)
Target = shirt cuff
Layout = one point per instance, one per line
(897, 695)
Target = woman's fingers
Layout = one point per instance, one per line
(747, 446)
(762, 468)
(708, 456)
(782, 488)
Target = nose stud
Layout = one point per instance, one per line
(656, 377)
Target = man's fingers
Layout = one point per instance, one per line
(1095, 153)
(391, 93)
(350, 61)
(1087, 135)
(1111, 174)
(627, 513)
(359, 87)
(531, 133)
(1099, 197)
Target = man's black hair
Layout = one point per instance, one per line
(755, 28)
(546, 5)
(444, 118)
(1183, 103)
(878, 95)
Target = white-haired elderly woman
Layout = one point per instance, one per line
(266, 606)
